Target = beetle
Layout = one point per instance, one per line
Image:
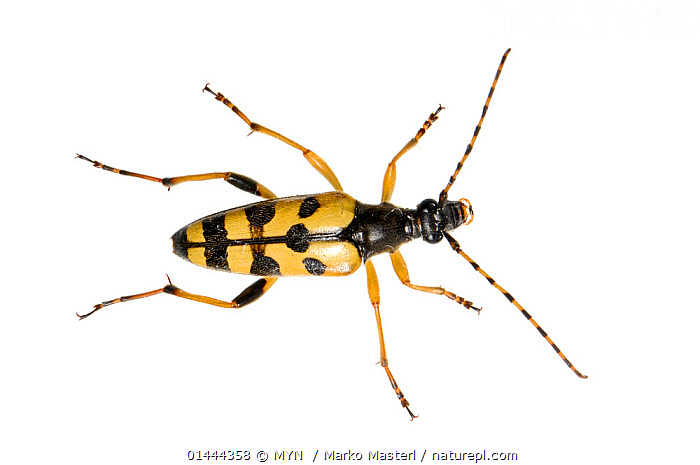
(327, 234)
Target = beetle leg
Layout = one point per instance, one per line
(390, 174)
(237, 180)
(317, 162)
(402, 272)
(455, 246)
(249, 295)
(373, 288)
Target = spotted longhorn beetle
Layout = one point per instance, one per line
(329, 234)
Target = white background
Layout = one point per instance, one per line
(583, 181)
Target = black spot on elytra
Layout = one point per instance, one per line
(314, 267)
(298, 238)
(216, 257)
(214, 229)
(264, 266)
(259, 214)
(308, 207)
(215, 251)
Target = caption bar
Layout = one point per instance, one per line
(358, 456)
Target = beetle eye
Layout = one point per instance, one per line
(467, 211)
(433, 238)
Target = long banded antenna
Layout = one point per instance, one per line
(443, 194)
(455, 246)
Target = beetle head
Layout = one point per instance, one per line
(435, 220)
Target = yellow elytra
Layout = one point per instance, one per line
(292, 236)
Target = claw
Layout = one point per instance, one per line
(94, 163)
(95, 308)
